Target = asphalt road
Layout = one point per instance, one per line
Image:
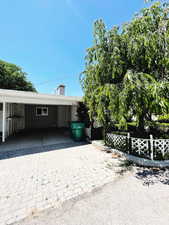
(136, 198)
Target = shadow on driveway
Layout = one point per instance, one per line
(150, 176)
(36, 141)
(40, 149)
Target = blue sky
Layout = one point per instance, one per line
(48, 38)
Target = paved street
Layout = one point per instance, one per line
(32, 183)
(138, 197)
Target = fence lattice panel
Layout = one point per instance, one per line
(117, 141)
(141, 146)
(147, 148)
(161, 146)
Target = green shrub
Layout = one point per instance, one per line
(129, 124)
(163, 118)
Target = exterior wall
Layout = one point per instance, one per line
(64, 116)
(58, 116)
(34, 121)
(15, 121)
(74, 116)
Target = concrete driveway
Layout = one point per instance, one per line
(139, 197)
(32, 183)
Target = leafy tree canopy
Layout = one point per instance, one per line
(127, 68)
(12, 77)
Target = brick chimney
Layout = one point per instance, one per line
(60, 90)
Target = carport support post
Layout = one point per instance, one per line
(4, 122)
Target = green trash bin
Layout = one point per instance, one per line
(77, 131)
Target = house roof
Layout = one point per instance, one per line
(24, 97)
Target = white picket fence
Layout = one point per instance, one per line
(148, 148)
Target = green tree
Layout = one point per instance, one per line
(12, 77)
(127, 69)
(147, 37)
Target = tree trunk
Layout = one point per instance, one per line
(141, 124)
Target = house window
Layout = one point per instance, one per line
(42, 111)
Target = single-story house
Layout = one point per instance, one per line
(20, 110)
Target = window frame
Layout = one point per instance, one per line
(42, 112)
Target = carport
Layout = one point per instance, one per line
(29, 112)
(38, 139)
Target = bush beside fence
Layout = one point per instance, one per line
(154, 149)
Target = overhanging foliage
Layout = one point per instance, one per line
(127, 69)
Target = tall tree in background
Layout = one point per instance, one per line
(12, 77)
(127, 69)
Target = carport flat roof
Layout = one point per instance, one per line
(24, 97)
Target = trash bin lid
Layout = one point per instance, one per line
(77, 125)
